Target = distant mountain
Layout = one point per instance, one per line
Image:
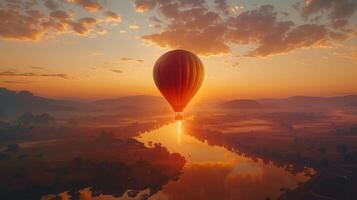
(313, 102)
(300, 102)
(243, 104)
(14, 104)
(133, 103)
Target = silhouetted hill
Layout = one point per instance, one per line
(300, 102)
(243, 104)
(313, 102)
(14, 104)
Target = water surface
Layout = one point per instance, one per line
(213, 172)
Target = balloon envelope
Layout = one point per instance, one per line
(178, 74)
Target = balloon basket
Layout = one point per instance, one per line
(178, 117)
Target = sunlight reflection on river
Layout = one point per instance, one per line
(213, 172)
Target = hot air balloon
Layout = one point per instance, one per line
(178, 74)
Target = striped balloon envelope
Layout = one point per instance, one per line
(178, 74)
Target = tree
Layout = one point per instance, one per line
(341, 149)
(12, 147)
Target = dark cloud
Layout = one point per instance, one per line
(11, 73)
(192, 25)
(65, 76)
(51, 4)
(31, 74)
(222, 6)
(339, 11)
(117, 71)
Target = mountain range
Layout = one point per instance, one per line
(297, 102)
(14, 103)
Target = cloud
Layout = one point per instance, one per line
(154, 19)
(194, 26)
(272, 36)
(303, 36)
(84, 25)
(144, 5)
(155, 22)
(339, 11)
(58, 21)
(88, 5)
(31, 74)
(11, 73)
(51, 4)
(191, 26)
(131, 59)
(16, 82)
(23, 26)
(21, 20)
(222, 6)
(65, 76)
(37, 68)
(117, 71)
(194, 40)
(126, 59)
(112, 16)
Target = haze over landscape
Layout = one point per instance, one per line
(88, 90)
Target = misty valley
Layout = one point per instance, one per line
(132, 148)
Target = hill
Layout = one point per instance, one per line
(14, 104)
(313, 102)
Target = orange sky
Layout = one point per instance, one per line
(251, 49)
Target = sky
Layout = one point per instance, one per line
(93, 49)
